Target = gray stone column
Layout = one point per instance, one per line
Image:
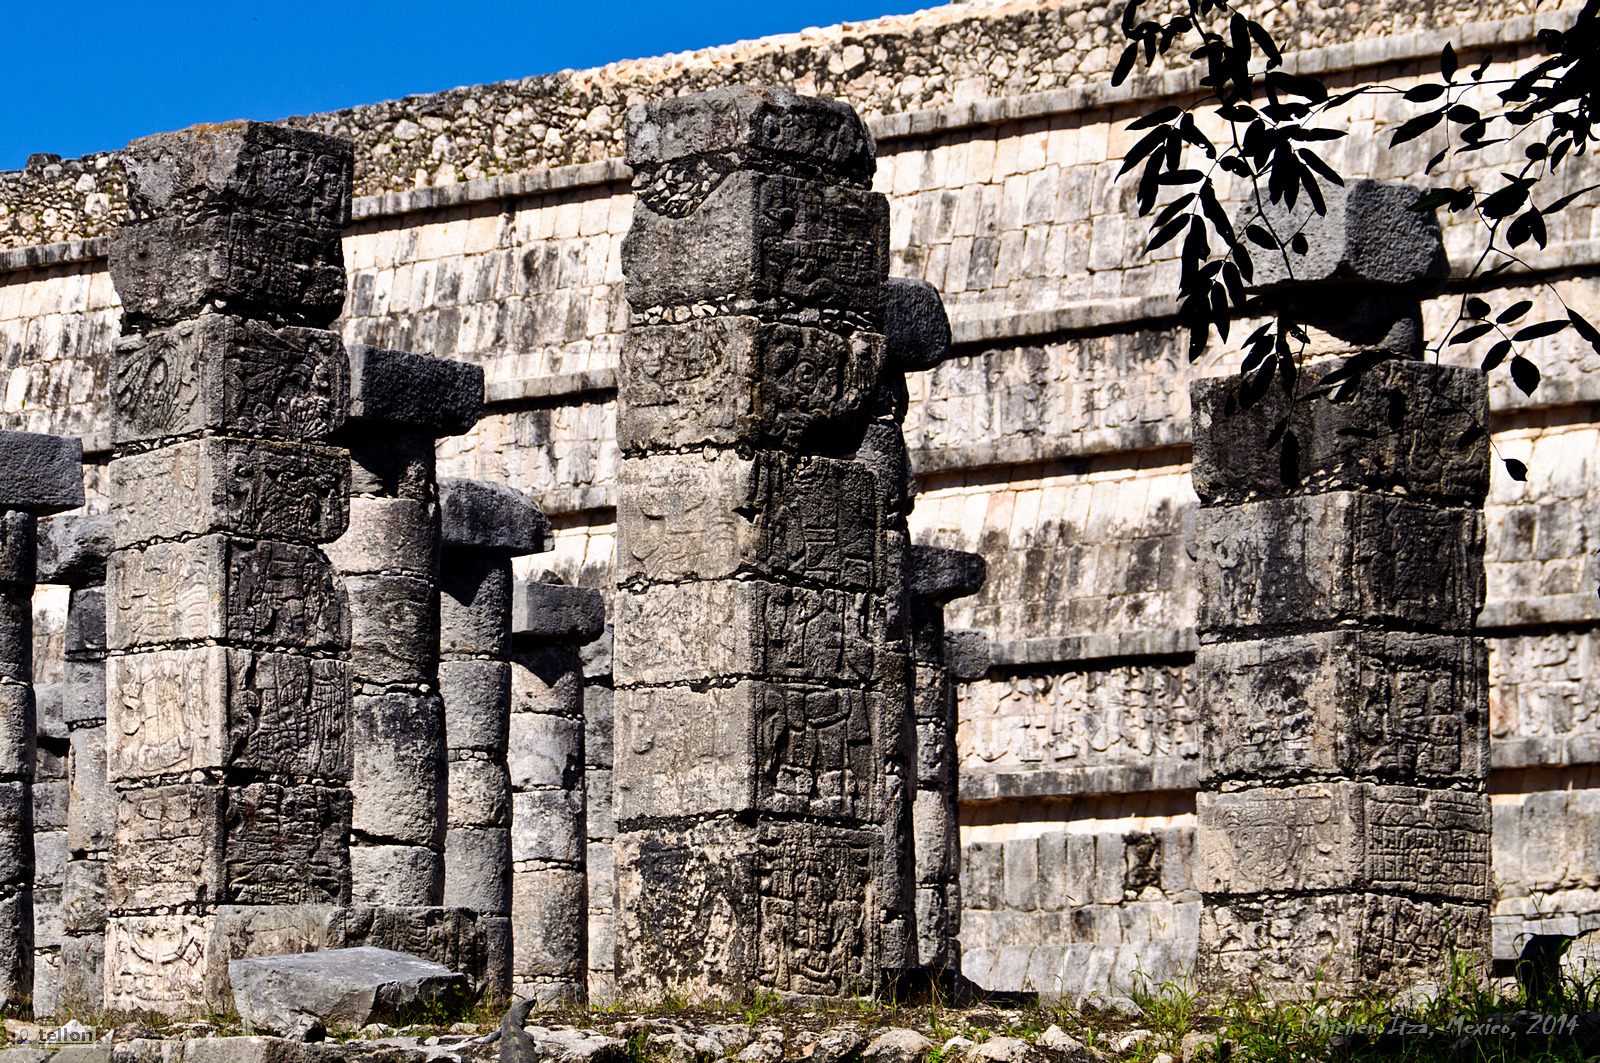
(39, 475)
(75, 813)
(600, 819)
(483, 527)
(938, 577)
(1342, 822)
(228, 685)
(762, 685)
(389, 558)
(549, 841)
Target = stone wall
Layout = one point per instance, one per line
(1056, 444)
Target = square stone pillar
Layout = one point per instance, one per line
(228, 683)
(938, 577)
(549, 839)
(1343, 820)
(69, 936)
(389, 558)
(483, 526)
(39, 475)
(762, 672)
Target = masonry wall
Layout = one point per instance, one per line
(1056, 444)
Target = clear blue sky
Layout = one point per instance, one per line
(92, 75)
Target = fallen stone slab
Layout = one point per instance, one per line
(339, 987)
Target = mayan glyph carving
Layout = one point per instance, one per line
(1343, 820)
(228, 684)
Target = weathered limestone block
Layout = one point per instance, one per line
(475, 606)
(183, 710)
(432, 396)
(247, 591)
(1368, 235)
(477, 698)
(1393, 705)
(237, 167)
(394, 629)
(168, 269)
(682, 752)
(806, 518)
(719, 903)
(388, 536)
(400, 803)
(763, 124)
(1288, 943)
(915, 324)
(491, 518)
(221, 373)
(261, 488)
(477, 869)
(763, 237)
(72, 549)
(550, 611)
(39, 475)
(770, 630)
(92, 807)
(1347, 837)
(390, 875)
(1331, 558)
(1407, 429)
(728, 380)
(338, 988)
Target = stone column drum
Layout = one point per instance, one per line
(599, 820)
(938, 577)
(72, 551)
(754, 659)
(389, 558)
(549, 840)
(483, 526)
(228, 685)
(1342, 821)
(39, 475)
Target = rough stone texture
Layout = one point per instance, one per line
(549, 902)
(483, 527)
(69, 922)
(243, 218)
(1369, 235)
(338, 988)
(936, 578)
(490, 517)
(391, 560)
(1340, 882)
(758, 298)
(228, 374)
(40, 474)
(1090, 598)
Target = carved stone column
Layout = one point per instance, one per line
(72, 551)
(389, 558)
(228, 685)
(39, 475)
(549, 840)
(483, 527)
(938, 577)
(1342, 821)
(762, 687)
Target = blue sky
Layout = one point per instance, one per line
(91, 76)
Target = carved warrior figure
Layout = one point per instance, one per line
(754, 755)
(1342, 821)
(228, 710)
(765, 766)
(39, 475)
